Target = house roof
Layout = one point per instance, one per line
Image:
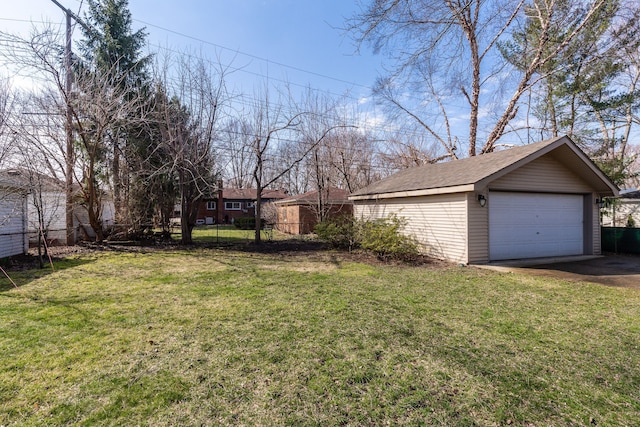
(26, 179)
(333, 196)
(630, 195)
(474, 173)
(251, 194)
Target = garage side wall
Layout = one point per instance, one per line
(288, 220)
(439, 223)
(54, 217)
(478, 230)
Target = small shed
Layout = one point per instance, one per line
(14, 238)
(299, 214)
(532, 201)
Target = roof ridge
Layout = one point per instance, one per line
(463, 172)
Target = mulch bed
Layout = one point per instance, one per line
(283, 248)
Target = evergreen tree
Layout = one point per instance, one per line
(580, 91)
(112, 48)
(153, 188)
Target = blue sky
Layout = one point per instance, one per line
(297, 41)
(275, 38)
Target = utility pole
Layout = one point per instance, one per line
(70, 154)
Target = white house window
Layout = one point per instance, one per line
(211, 206)
(232, 206)
(250, 204)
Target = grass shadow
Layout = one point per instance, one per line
(24, 269)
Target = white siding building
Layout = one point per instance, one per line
(538, 200)
(13, 219)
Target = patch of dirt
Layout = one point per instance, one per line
(300, 246)
(321, 251)
(310, 249)
(30, 259)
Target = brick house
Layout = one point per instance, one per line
(233, 203)
(299, 214)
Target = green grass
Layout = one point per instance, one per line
(229, 234)
(209, 337)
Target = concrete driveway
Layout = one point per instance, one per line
(609, 270)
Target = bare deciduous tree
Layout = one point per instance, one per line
(280, 122)
(96, 101)
(447, 54)
(97, 104)
(237, 153)
(403, 152)
(190, 120)
(7, 110)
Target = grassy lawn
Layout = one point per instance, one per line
(211, 337)
(229, 234)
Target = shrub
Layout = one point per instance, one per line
(340, 232)
(246, 223)
(631, 223)
(384, 238)
(381, 236)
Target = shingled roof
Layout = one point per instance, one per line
(251, 194)
(23, 178)
(630, 195)
(473, 173)
(332, 195)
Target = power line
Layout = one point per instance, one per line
(235, 51)
(245, 100)
(257, 74)
(249, 55)
(29, 21)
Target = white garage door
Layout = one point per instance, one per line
(531, 225)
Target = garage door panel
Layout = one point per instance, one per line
(525, 225)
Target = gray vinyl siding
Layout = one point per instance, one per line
(545, 174)
(478, 230)
(597, 237)
(13, 224)
(439, 223)
(54, 216)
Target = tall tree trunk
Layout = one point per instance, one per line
(258, 209)
(185, 212)
(117, 196)
(552, 110)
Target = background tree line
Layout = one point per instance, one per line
(465, 77)
(525, 70)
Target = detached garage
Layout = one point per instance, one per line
(538, 200)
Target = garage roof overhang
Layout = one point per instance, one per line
(416, 193)
(475, 174)
(573, 158)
